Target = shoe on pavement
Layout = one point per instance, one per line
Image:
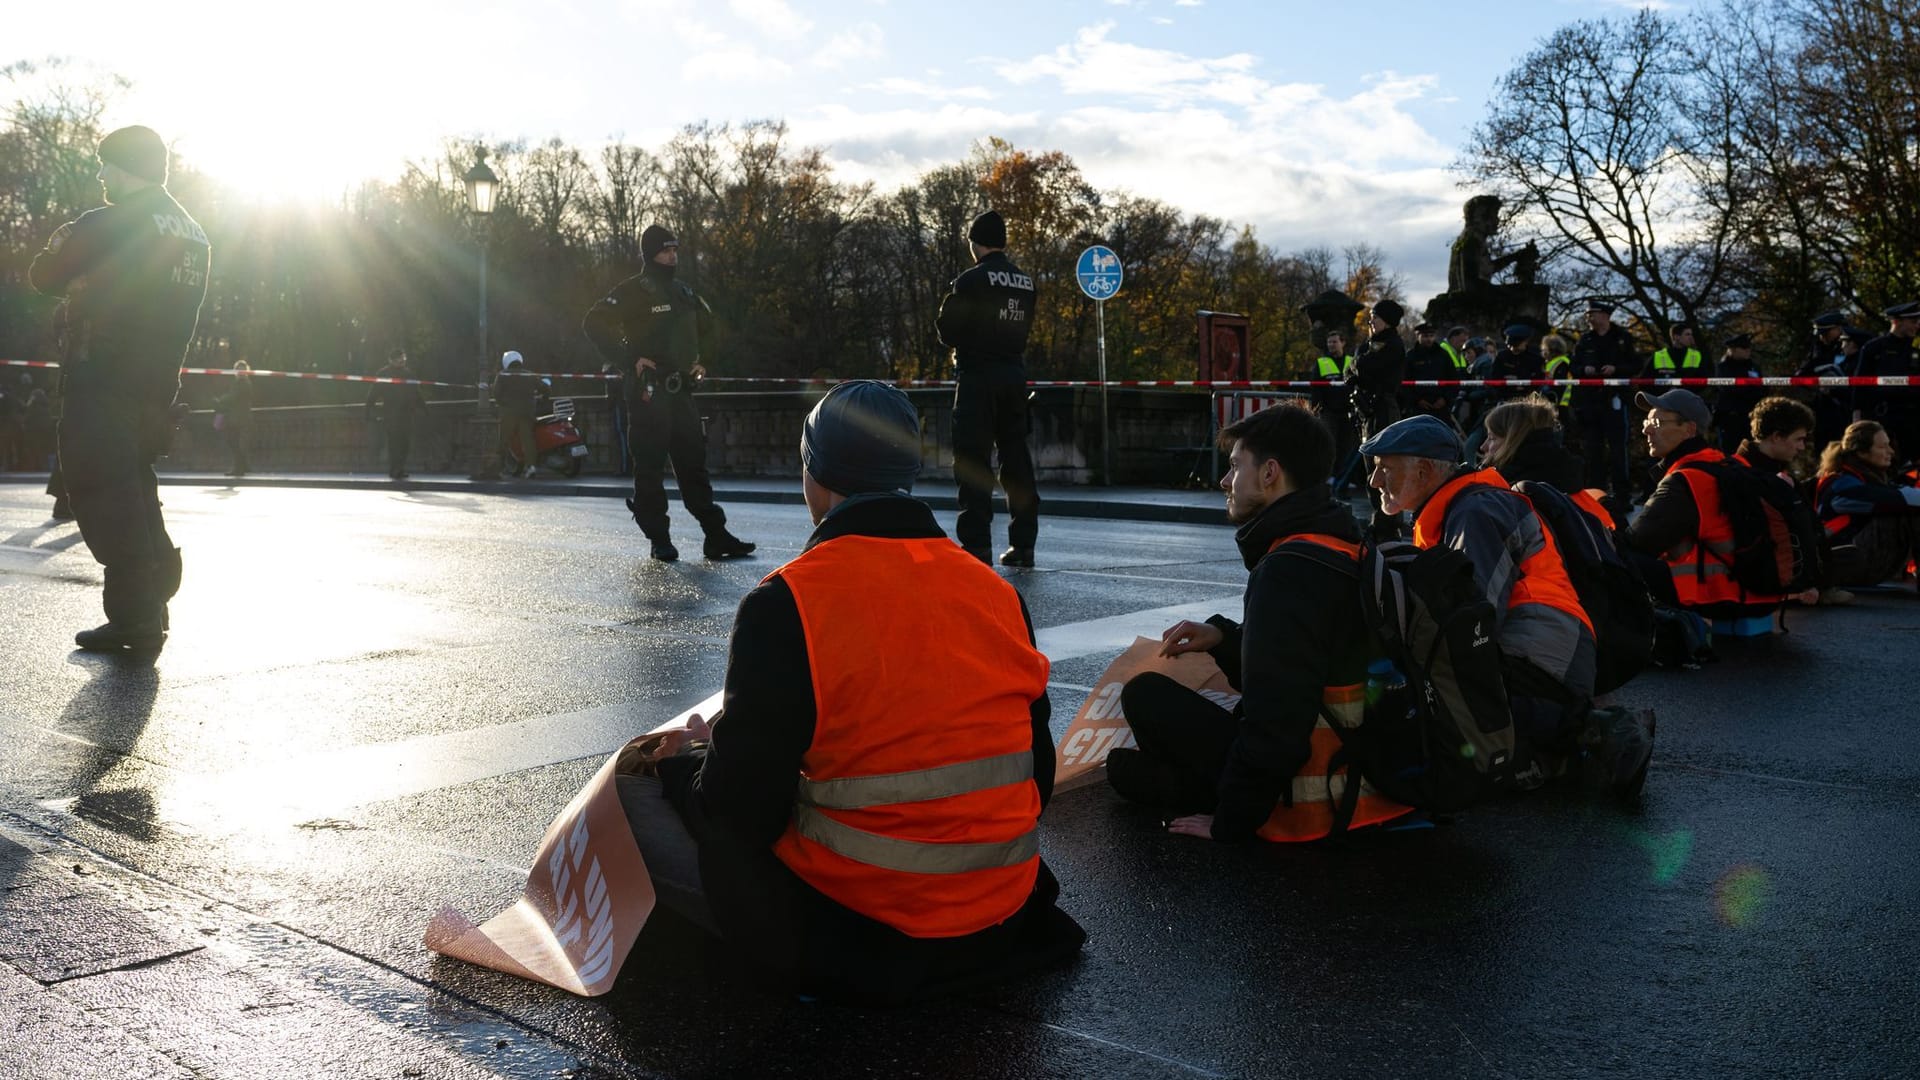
(62, 512)
(1017, 556)
(664, 550)
(527, 473)
(980, 553)
(725, 545)
(112, 637)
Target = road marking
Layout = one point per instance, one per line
(1115, 632)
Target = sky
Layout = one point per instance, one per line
(1315, 123)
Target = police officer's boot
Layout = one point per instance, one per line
(722, 544)
(1017, 556)
(134, 611)
(663, 549)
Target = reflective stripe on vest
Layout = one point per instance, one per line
(1459, 362)
(1702, 568)
(1317, 788)
(1663, 360)
(915, 806)
(1329, 367)
(1543, 576)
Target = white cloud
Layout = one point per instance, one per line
(863, 41)
(737, 63)
(1093, 64)
(774, 18)
(901, 87)
(1188, 3)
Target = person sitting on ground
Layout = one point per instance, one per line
(1778, 431)
(1872, 521)
(1682, 540)
(1523, 442)
(1262, 768)
(864, 819)
(1545, 637)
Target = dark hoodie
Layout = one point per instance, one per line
(1303, 632)
(1542, 458)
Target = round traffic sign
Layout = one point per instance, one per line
(1099, 272)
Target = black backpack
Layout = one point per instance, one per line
(1445, 740)
(1776, 539)
(1611, 591)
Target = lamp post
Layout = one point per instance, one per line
(482, 186)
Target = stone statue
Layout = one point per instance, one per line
(1473, 263)
(1472, 299)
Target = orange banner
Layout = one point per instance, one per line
(587, 894)
(1100, 725)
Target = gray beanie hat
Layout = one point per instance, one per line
(863, 436)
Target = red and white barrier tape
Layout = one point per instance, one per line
(1130, 384)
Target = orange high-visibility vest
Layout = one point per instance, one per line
(1588, 499)
(1702, 568)
(916, 804)
(1543, 576)
(1318, 787)
(1839, 524)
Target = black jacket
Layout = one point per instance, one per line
(1428, 362)
(1303, 632)
(654, 316)
(1887, 355)
(134, 275)
(1592, 353)
(395, 402)
(1544, 458)
(517, 391)
(985, 319)
(737, 797)
(1379, 367)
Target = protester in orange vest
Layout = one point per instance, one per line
(1264, 768)
(864, 820)
(1545, 636)
(1872, 518)
(1682, 524)
(1778, 429)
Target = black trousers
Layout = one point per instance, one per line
(107, 450)
(399, 432)
(1183, 741)
(1876, 553)
(990, 413)
(1603, 442)
(662, 429)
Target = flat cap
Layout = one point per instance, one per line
(1903, 311)
(1740, 341)
(1597, 304)
(1418, 436)
(1517, 331)
(1684, 402)
(1424, 328)
(1825, 319)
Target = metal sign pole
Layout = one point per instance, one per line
(1106, 430)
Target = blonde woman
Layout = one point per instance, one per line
(1523, 442)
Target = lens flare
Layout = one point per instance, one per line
(1669, 853)
(1740, 894)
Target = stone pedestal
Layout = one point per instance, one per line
(1486, 309)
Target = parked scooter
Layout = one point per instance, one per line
(557, 442)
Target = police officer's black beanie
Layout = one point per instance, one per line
(138, 150)
(989, 230)
(654, 240)
(863, 436)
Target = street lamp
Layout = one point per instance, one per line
(482, 186)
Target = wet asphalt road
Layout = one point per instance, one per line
(220, 863)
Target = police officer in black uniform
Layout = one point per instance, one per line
(651, 327)
(133, 273)
(1379, 368)
(1893, 353)
(1832, 406)
(1604, 351)
(985, 320)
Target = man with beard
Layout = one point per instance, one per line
(133, 274)
(655, 327)
(1263, 768)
